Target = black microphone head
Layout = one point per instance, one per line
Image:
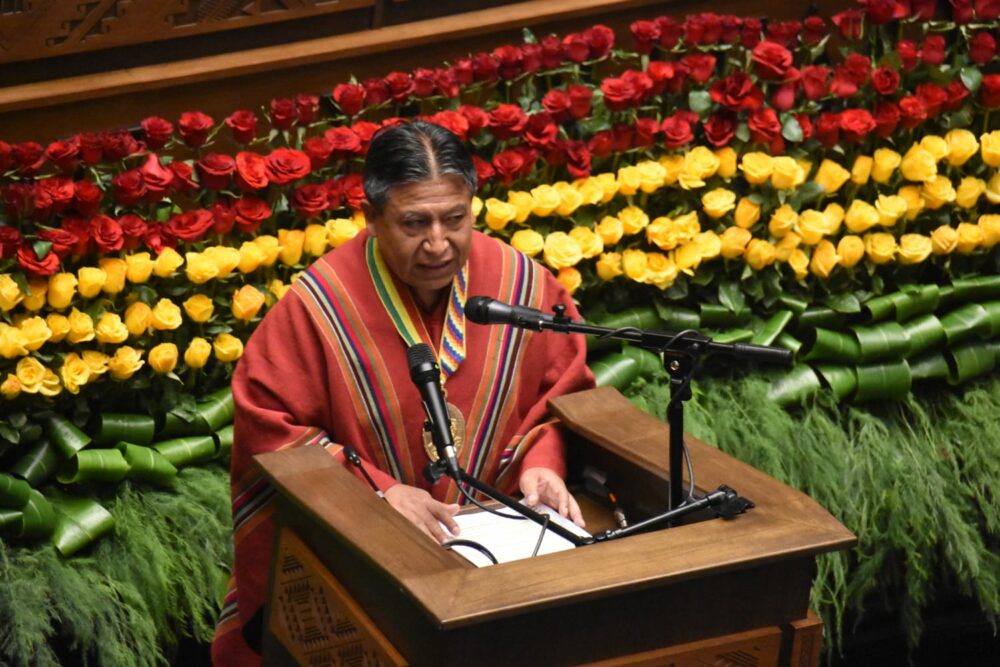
(422, 362)
(477, 309)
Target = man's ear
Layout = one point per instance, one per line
(370, 216)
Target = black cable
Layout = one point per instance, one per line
(541, 534)
(483, 507)
(472, 545)
(355, 459)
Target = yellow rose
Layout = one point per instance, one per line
(199, 268)
(824, 259)
(914, 248)
(890, 209)
(247, 302)
(734, 242)
(885, 162)
(197, 353)
(610, 229)
(74, 372)
(292, 241)
(970, 237)
(759, 254)
(97, 361)
(709, 244)
(35, 331)
(936, 146)
(10, 293)
(787, 173)
(477, 208)
(591, 245)
(166, 315)
(989, 146)
(275, 290)
(168, 261)
(11, 387)
(687, 258)
(498, 213)
(783, 220)
(252, 255)
(570, 199)
(115, 270)
(831, 176)
(570, 278)
(199, 308)
(163, 358)
(652, 176)
(62, 289)
(111, 329)
(918, 164)
(523, 202)
(937, 192)
(880, 247)
(338, 232)
(561, 250)
(528, 241)
(35, 299)
(718, 202)
(990, 225)
(271, 248)
(314, 243)
(634, 265)
(969, 190)
(806, 166)
(862, 169)
(226, 259)
(628, 180)
(747, 213)
(58, 325)
(944, 240)
(12, 343)
(788, 244)
(660, 270)
(993, 188)
(125, 362)
(962, 145)
(138, 318)
(609, 186)
(30, 373)
(799, 261)
(812, 226)
(834, 213)
(81, 327)
(851, 250)
(673, 164)
(590, 192)
(727, 162)
(227, 347)
(914, 200)
(665, 234)
(544, 200)
(140, 267)
(50, 384)
(90, 281)
(634, 219)
(699, 163)
(757, 167)
(862, 216)
(609, 265)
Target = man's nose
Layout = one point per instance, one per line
(436, 240)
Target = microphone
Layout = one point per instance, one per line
(426, 375)
(484, 310)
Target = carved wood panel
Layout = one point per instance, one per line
(32, 29)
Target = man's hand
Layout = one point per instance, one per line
(423, 511)
(544, 485)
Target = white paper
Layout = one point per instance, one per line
(510, 539)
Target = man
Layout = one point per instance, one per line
(327, 366)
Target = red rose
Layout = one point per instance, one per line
(785, 33)
(720, 128)
(531, 58)
(989, 91)
(462, 69)
(484, 171)
(933, 96)
(644, 35)
(700, 65)
(619, 93)
(701, 29)
(813, 30)
(552, 52)
(783, 98)
(815, 81)
(156, 240)
(771, 61)
(880, 12)
(750, 34)
(642, 83)
(243, 124)
(35, 266)
(446, 83)
(932, 51)
(10, 241)
(189, 226)
(737, 92)
(908, 54)
(307, 106)
(133, 228)
(318, 149)
(194, 127)
(87, 197)
(509, 59)
(507, 120)
(676, 132)
(64, 154)
(19, 199)
(63, 241)
(828, 129)
(957, 93)
(215, 171)
(987, 10)
(157, 178)
(478, 119)
(365, 131)
(118, 145)
(251, 171)
(484, 67)
(887, 115)
(158, 131)
(624, 135)
(646, 130)
(60, 191)
(78, 233)
(40, 205)
(765, 128)
(555, 155)
(349, 98)
(452, 121)
(577, 159)
(423, 82)
(856, 124)
(885, 81)
(843, 84)
(849, 22)
(29, 156)
(961, 11)
(575, 47)
(344, 141)
(600, 39)
(670, 31)
(982, 48)
(731, 29)
(508, 165)
(128, 187)
(284, 113)
(309, 200)
(923, 9)
(353, 191)
(805, 123)
(6, 156)
(661, 74)
(400, 86)
(106, 233)
(285, 165)
(912, 111)
(91, 148)
(857, 67)
(223, 217)
(602, 143)
(376, 91)
(183, 176)
(556, 102)
(580, 97)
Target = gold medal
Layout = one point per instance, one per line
(457, 434)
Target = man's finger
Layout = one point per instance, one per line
(529, 488)
(574, 512)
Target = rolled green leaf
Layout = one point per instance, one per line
(649, 362)
(716, 316)
(800, 383)
(820, 317)
(615, 370)
(67, 438)
(9, 517)
(38, 464)
(965, 322)
(174, 425)
(881, 341)
(13, 492)
(149, 465)
(217, 409)
(993, 316)
(789, 342)
(772, 328)
(224, 441)
(914, 301)
(826, 345)
(187, 451)
(925, 333)
(94, 465)
(890, 380)
(113, 427)
(643, 317)
(733, 336)
(80, 522)
(971, 360)
(842, 380)
(879, 308)
(978, 288)
(794, 304)
(678, 318)
(38, 518)
(931, 366)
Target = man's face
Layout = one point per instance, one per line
(424, 233)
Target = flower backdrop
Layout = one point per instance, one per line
(827, 185)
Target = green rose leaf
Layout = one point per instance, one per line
(971, 77)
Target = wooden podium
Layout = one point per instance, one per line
(354, 583)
